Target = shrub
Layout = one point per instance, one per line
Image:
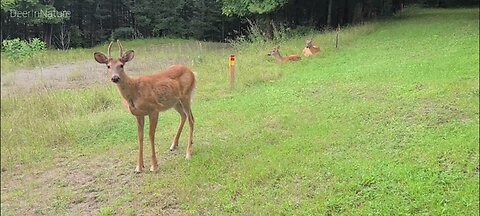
(253, 34)
(18, 50)
(36, 45)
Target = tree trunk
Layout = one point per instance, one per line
(48, 28)
(91, 39)
(114, 16)
(395, 6)
(357, 16)
(383, 7)
(346, 13)
(132, 18)
(47, 34)
(269, 27)
(223, 30)
(329, 14)
(25, 31)
(80, 17)
(50, 35)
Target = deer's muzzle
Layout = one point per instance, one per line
(115, 79)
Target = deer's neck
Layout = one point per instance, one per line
(278, 57)
(127, 87)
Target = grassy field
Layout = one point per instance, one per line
(387, 124)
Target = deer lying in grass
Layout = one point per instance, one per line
(310, 49)
(151, 94)
(276, 53)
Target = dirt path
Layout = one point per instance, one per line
(69, 76)
(84, 185)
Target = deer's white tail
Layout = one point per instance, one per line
(194, 86)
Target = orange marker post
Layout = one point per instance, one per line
(231, 63)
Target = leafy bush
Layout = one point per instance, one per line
(18, 50)
(37, 45)
(253, 34)
(281, 32)
(123, 33)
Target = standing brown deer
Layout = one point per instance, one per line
(276, 53)
(310, 49)
(151, 94)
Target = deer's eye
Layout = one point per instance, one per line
(121, 66)
(108, 66)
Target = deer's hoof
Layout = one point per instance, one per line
(154, 165)
(188, 156)
(138, 169)
(153, 168)
(173, 147)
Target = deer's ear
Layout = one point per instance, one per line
(128, 56)
(100, 58)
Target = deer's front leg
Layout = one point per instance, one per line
(140, 124)
(153, 119)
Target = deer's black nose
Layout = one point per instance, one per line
(115, 79)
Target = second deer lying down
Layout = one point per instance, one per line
(276, 53)
(310, 49)
(151, 94)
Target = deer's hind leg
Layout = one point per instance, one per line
(183, 117)
(191, 121)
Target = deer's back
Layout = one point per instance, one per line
(178, 78)
(293, 58)
(314, 49)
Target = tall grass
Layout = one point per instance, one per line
(35, 123)
(58, 57)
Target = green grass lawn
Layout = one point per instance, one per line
(387, 124)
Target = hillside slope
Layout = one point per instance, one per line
(387, 124)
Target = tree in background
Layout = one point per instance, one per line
(261, 10)
(30, 18)
(96, 21)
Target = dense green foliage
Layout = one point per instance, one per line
(17, 50)
(91, 22)
(246, 7)
(387, 124)
(86, 23)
